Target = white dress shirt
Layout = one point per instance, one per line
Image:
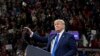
(53, 41)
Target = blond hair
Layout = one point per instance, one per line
(60, 20)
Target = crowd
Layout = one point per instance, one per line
(80, 15)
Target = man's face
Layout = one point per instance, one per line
(58, 26)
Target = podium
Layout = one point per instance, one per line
(35, 51)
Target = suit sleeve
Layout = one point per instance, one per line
(72, 47)
(39, 38)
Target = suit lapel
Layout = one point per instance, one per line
(50, 40)
(52, 37)
(61, 39)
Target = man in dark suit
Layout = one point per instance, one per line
(59, 44)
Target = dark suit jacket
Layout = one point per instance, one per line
(66, 45)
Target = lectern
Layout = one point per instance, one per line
(35, 51)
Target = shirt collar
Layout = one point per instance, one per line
(61, 32)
